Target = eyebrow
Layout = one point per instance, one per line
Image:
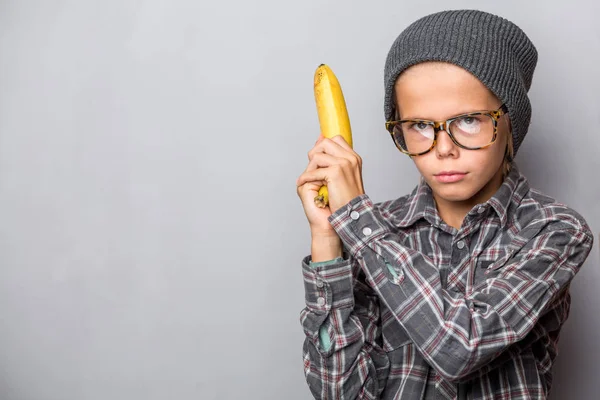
(399, 117)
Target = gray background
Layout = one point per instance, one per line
(150, 232)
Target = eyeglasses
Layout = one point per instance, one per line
(472, 131)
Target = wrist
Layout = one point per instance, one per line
(325, 247)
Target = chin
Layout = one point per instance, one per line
(454, 192)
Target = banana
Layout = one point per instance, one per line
(333, 115)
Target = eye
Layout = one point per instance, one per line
(419, 126)
(422, 129)
(470, 125)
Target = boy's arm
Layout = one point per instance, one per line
(342, 350)
(458, 334)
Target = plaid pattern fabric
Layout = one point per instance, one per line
(417, 309)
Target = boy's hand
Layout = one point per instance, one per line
(333, 163)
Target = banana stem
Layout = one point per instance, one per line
(322, 198)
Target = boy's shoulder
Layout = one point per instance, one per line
(539, 208)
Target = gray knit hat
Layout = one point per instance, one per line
(492, 48)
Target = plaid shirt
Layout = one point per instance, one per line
(417, 309)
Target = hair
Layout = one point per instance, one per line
(509, 154)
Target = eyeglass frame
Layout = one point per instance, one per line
(444, 126)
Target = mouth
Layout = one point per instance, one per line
(450, 176)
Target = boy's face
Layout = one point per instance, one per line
(438, 91)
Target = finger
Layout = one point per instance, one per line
(312, 166)
(319, 175)
(309, 190)
(321, 137)
(339, 139)
(314, 150)
(333, 147)
(342, 142)
(329, 146)
(325, 175)
(323, 160)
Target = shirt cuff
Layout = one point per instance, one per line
(325, 263)
(358, 223)
(328, 284)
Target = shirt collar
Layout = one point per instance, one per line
(420, 203)
(511, 192)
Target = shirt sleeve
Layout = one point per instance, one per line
(456, 333)
(343, 355)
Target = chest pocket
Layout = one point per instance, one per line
(493, 259)
(490, 262)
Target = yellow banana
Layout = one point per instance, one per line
(333, 115)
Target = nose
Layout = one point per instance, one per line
(444, 146)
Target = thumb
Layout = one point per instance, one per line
(320, 138)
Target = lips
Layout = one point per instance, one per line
(450, 176)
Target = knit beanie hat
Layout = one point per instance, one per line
(492, 48)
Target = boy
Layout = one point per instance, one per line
(459, 289)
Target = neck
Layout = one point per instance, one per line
(453, 212)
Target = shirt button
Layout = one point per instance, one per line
(481, 210)
(354, 215)
(321, 301)
(460, 244)
(319, 283)
(367, 231)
